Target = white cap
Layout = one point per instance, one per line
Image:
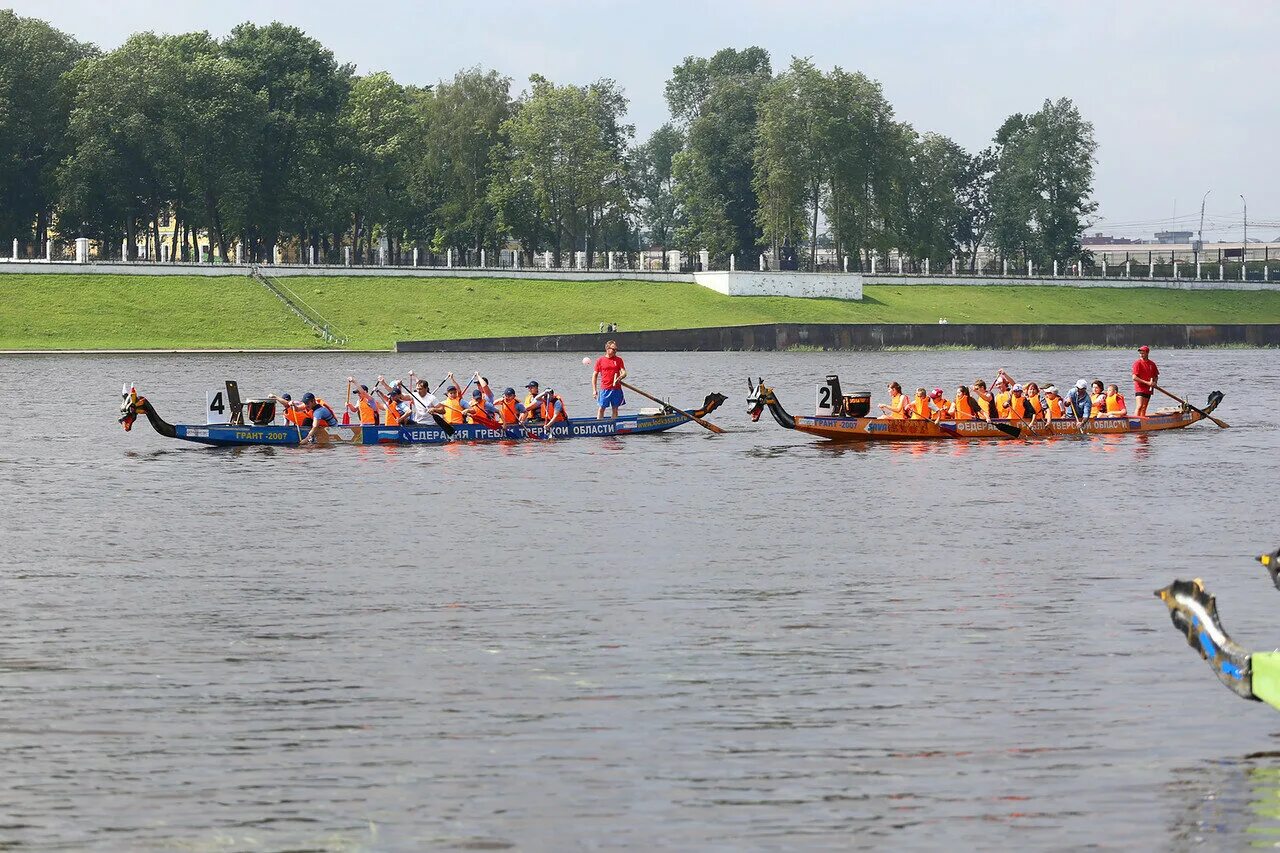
(1052, 389)
(1082, 384)
(1016, 388)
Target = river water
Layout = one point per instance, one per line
(683, 641)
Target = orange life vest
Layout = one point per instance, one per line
(986, 404)
(920, 407)
(476, 412)
(898, 406)
(1018, 408)
(1004, 403)
(943, 409)
(1099, 404)
(368, 414)
(295, 416)
(507, 410)
(547, 409)
(393, 414)
(1115, 404)
(1036, 405)
(453, 411)
(530, 401)
(964, 412)
(1055, 407)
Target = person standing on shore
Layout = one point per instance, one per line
(1145, 377)
(608, 376)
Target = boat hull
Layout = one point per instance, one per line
(223, 435)
(885, 429)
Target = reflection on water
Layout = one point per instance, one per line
(683, 641)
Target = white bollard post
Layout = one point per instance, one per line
(953, 266)
(926, 266)
(762, 262)
(846, 263)
(239, 252)
(1128, 268)
(1244, 266)
(1175, 269)
(1151, 269)
(899, 263)
(415, 256)
(1028, 268)
(1055, 269)
(1006, 267)
(608, 263)
(448, 257)
(733, 263)
(1197, 269)
(48, 250)
(484, 258)
(1222, 271)
(313, 256)
(704, 259)
(124, 249)
(346, 255)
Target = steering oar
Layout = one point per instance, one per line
(1221, 424)
(697, 420)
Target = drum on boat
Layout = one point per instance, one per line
(261, 412)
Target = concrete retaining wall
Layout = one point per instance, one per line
(849, 336)
(809, 285)
(874, 279)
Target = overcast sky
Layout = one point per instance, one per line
(1180, 93)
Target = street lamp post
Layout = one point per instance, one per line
(1200, 233)
(1245, 245)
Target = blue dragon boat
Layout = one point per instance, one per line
(261, 430)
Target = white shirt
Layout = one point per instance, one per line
(422, 402)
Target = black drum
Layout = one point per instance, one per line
(261, 412)
(857, 404)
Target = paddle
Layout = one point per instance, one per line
(1219, 423)
(697, 420)
(950, 432)
(346, 413)
(440, 422)
(1072, 406)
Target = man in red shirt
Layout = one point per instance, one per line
(1145, 377)
(607, 379)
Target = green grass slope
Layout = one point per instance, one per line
(169, 312)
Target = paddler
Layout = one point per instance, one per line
(1020, 408)
(550, 408)
(509, 408)
(454, 412)
(1037, 401)
(1114, 402)
(295, 414)
(366, 406)
(965, 407)
(531, 398)
(397, 406)
(897, 406)
(1146, 376)
(609, 373)
(1002, 390)
(1054, 406)
(942, 407)
(986, 402)
(481, 411)
(322, 418)
(1078, 401)
(919, 408)
(425, 403)
(1098, 398)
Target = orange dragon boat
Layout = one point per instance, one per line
(844, 417)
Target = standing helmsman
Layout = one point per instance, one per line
(606, 381)
(1145, 378)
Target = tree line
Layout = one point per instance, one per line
(263, 138)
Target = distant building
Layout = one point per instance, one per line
(1174, 236)
(1100, 239)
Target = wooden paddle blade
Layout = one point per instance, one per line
(1008, 429)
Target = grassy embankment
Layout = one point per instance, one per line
(172, 312)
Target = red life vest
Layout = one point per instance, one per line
(507, 410)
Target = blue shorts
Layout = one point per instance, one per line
(610, 397)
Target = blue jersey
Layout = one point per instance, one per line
(325, 414)
(1080, 401)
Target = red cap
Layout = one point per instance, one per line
(1144, 348)
(937, 392)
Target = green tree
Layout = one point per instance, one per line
(296, 154)
(791, 167)
(462, 149)
(975, 200)
(35, 102)
(567, 147)
(654, 181)
(936, 212)
(124, 167)
(380, 123)
(714, 101)
(1042, 183)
